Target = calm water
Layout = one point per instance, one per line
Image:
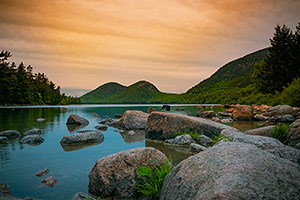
(19, 162)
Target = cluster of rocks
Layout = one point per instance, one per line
(31, 137)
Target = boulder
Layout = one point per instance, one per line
(84, 137)
(226, 120)
(162, 126)
(101, 127)
(263, 131)
(196, 148)
(115, 176)
(32, 139)
(3, 139)
(280, 110)
(4, 188)
(10, 134)
(264, 108)
(260, 118)
(181, 140)
(150, 110)
(131, 120)
(294, 133)
(297, 146)
(243, 113)
(282, 118)
(34, 131)
(233, 171)
(77, 120)
(224, 114)
(215, 119)
(49, 181)
(42, 172)
(82, 196)
(206, 114)
(268, 144)
(204, 140)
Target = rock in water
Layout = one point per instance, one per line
(233, 171)
(131, 120)
(40, 119)
(82, 196)
(42, 172)
(81, 138)
(243, 113)
(10, 134)
(280, 110)
(115, 176)
(32, 139)
(204, 140)
(77, 120)
(49, 181)
(196, 148)
(101, 127)
(34, 131)
(206, 114)
(162, 126)
(181, 140)
(282, 118)
(3, 139)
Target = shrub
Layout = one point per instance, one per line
(153, 179)
(220, 137)
(280, 132)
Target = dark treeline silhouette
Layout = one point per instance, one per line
(19, 85)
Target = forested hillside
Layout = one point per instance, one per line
(20, 86)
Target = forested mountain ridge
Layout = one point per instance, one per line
(20, 86)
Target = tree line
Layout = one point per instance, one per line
(20, 86)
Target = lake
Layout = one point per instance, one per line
(20, 162)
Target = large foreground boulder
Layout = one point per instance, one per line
(162, 126)
(81, 138)
(115, 176)
(243, 113)
(132, 119)
(77, 120)
(10, 134)
(268, 144)
(233, 171)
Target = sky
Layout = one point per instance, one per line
(174, 44)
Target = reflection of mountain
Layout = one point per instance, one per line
(139, 136)
(177, 157)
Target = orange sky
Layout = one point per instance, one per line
(81, 44)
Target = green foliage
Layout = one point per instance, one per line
(18, 85)
(194, 135)
(280, 132)
(220, 137)
(153, 179)
(291, 94)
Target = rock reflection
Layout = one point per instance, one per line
(139, 136)
(73, 128)
(247, 125)
(177, 156)
(76, 147)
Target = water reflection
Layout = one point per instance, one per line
(247, 125)
(73, 128)
(139, 136)
(76, 147)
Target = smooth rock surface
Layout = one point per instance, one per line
(84, 137)
(204, 140)
(32, 139)
(282, 118)
(294, 133)
(196, 148)
(268, 144)
(280, 110)
(77, 120)
(34, 131)
(233, 171)
(162, 126)
(263, 131)
(181, 140)
(115, 176)
(243, 113)
(260, 118)
(131, 120)
(10, 134)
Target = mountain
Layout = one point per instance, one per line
(241, 67)
(139, 92)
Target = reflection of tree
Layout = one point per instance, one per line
(4, 154)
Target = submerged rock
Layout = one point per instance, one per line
(233, 171)
(162, 126)
(32, 139)
(181, 140)
(115, 176)
(10, 134)
(49, 181)
(77, 120)
(243, 113)
(34, 131)
(84, 137)
(131, 120)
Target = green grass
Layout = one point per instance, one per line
(194, 135)
(280, 132)
(220, 137)
(153, 179)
